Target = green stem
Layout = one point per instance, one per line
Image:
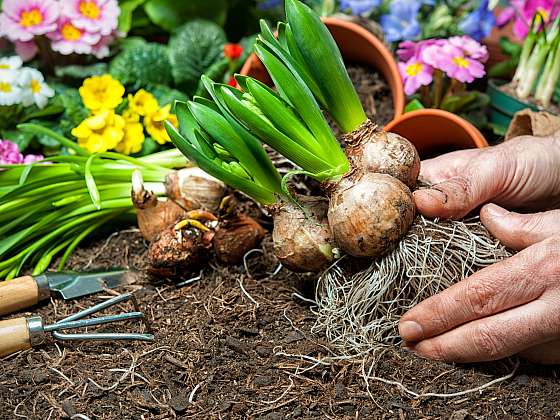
(39, 129)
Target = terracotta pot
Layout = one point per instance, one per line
(434, 132)
(357, 45)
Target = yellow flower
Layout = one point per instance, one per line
(100, 132)
(133, 139)
(143, 103)
(130, 116)
(154, 124)
(101, 92)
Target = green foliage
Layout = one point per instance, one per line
(193, 49)
(141, 64)
(79, 73)
(166, 95)
(170, 14)
(127, 9)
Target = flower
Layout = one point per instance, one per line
(21, 20)
(92, 15)
(360, 7)
(100, 132)
(26, 50)
(453, 62)
(470, 47)
(154, 124)
(523, 12)
(415, 74)
(402, 21)
(143, 103)
(10, 63)
(133, 138)
(10, 92)
(101, 49)
(232, 82)
(34, 88)
(10, 154)
(479, 23)
(233, 51)
(101, 92)
(409, 49)
(68, 38)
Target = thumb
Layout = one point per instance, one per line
(517, 230)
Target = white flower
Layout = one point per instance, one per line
(34, 88)
(10, 92)
(10, 63)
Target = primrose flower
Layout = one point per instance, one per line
(233, 51)
(100, 132)
(415, 74)
(454, 62)
(360, 7)
(26, 50)
(10, 92)
(155, 127)
(408, 49)
(34, 90)
(470, 47)
(68, 38)
(479, 23)
(10, 63)
(133, 138)
(101, 92)
(10, 154)
(21, 20)
(143, 103)
(92, 15)
(402, 21)
(101, 49)
(523, 12)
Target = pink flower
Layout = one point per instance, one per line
(26, 50)
(523, 12)
(101, 49)
(92, 15)
(453, 62)
(470, 47)
(415, 74)
(409, 49)
(68, 39)
(10, 154)
(32, 159)
(21, 20)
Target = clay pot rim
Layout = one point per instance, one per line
(478, 139)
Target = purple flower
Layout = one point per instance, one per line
(453, 61)
(92, 15)
(479, 23)
(409, 49)
(415, 74)
(10, 154)
(21, 20)
(402, 20)
(470, 47)
(360, 7)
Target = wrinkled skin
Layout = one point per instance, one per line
(369, 213)
(303, 244)
(510, 307)
(237, 236)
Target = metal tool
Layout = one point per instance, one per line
(27, 291)
(23, 333)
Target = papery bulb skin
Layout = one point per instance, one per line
(237, 236)
(193, 189)
(303, 242)
(371, 150)
(369, 213)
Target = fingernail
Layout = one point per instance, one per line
(410, 331)
(495, 211)
(437, 195)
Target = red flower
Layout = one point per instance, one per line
(232, 82)
(233, 51)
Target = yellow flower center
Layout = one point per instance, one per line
(31, 17)
(461, 62)
(542, 16)
(70, 32)
(4, 67)
(414, 69)
(5, 87)
(90, 9)
(35, 86)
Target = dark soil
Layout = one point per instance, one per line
(217, 355)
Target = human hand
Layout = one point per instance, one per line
(513, 306)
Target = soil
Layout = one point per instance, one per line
(221, 352)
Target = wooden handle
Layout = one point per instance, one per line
(14, 336)
(18, 294)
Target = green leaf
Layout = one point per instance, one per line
(325, 63)
(81, 72)
(193, 50)
(91, 185)
(18, 137)
(140, 65)
(169, 14)
(216, 72)
(127, 9)
(414, 105)
(166, 95)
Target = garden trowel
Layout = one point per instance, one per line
(27, 291)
